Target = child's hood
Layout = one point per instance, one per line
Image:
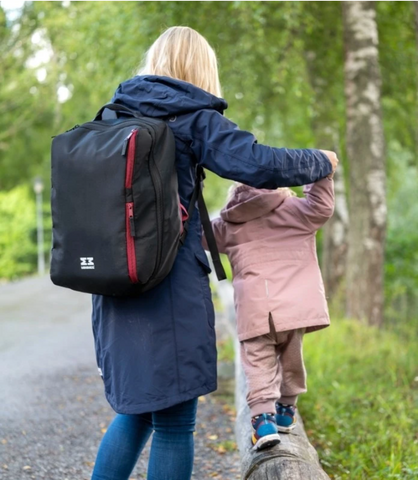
(249, 203)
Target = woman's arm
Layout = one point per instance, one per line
(221, 147)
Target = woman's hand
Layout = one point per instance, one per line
(332, 157)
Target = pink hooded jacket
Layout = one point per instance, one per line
(269, 238)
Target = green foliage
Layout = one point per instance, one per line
(401, 268)
(281, 66)
(227, 267)
(226, 350)
(215, 191)
(26, 105)
(361, 408)
(17, 233)
(398, 60)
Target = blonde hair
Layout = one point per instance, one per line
(288, 192)
(182, 53)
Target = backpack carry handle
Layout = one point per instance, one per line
(115, 107)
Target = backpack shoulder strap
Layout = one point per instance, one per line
(197, 196)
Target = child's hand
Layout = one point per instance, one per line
(332, 157)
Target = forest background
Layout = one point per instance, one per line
(294, 75)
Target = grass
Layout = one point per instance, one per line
(361, 410)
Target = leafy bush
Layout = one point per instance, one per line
(18, 249)
(401, 265)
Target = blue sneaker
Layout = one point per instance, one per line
(285, 417)
(264, 431)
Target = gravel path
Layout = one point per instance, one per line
(53, 412)
(57, 436)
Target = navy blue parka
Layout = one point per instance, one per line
(159, 349)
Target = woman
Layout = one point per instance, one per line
(157, 352)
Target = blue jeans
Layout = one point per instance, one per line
(172, 447)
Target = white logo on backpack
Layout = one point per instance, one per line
(87, 263)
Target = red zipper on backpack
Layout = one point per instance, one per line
(130, 243)
(129, 206)
(184, 215)
(130, 158)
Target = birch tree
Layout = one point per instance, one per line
(365, 151)
(334, 257)
(322, 29)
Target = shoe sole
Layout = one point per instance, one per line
(286, 429)
(267, 442)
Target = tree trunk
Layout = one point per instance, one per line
(365, 151)
(335, 231)
(334, 256)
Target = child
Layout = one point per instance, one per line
(269, 237)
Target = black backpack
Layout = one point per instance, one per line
(116, 213)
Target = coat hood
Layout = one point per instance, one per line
(156, 96)
(249, 203)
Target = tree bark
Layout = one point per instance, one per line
(334, 250)
(365, 151)
(335, 231)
